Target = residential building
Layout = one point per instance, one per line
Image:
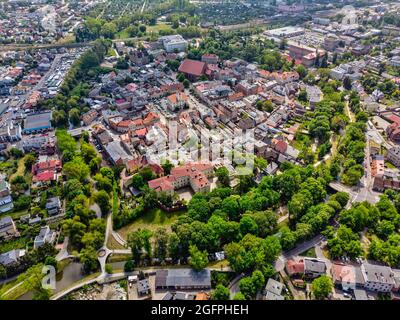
(116, 153)
(314, 95)
(48, 165)
(314, 268)
(45, 236)
(388, 180)
(344, 276)
(295, 266)
(177, 101)
(273, 290)
(331, 42)
(393, 131)
(377, 278)
(8, 230)
(11, 257)
(393, 156)
(377, 165)
(53, 206)
(210, 58)
(6, 202)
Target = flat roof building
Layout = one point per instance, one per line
(37, 122)
(183, 279)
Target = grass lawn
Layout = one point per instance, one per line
(18, 243)
(309, 253)
(219, 264)
(111, 52)
(14, 214)
(123, 34)
(15, 290)
(284, 223)
(112, 244)
(7, 166)
(69, 38)
(389, 165)
(157, 28)
(152, 220)
(20, 170)
(119, 258)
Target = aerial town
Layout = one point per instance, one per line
(196, 150)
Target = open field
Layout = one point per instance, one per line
(151, 220)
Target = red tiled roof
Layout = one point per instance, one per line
(395, 118)
(295, 267)
(192, 67)
(44, 176)
(176, 97)
(281, 146)
(46, 165)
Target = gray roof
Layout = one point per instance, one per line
(37, 121)
(274, 286)
(273, 296)
(53, 202)
(314, 265)
(116, 152)
(143, 286)
(11, 257)
(183, 278)
(361, 294)
(184, 296)
(6, 221)
(377, 273)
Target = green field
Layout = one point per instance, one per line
(151, 220)
(158, 27)
(309, 253)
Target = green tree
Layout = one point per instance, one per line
(248, 225)
(186, 83)
(220, 293)
(88, 153)
(167, 166)
(247, 288)
(322, 287)
(74, 116)
(29, 161)
(16, 153)
(103, 200)
(161, 244)
(129, 266)
(222, 174)
(32, 281)
(76, 169)
(88, 257)
(239, 296)
(198, 259)
(108, 30)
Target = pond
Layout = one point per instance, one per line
(71, 274)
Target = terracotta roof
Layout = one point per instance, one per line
(176, 97)
(295, 267)
(280, 146)
(46, 165)
(192, 67)
(44, 176)
(343, 273)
